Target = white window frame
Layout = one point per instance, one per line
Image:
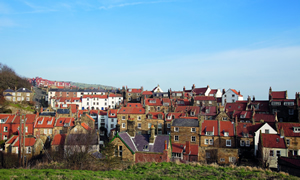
(139, 118)
(247, 143)
(228, 142)
(123, 125)
(242, 143)
(45, 131)
(206, 141)
(193, 137)
(5, 129)
(176, 137)
(226, 134)
(211, 142)
(193, 129)
(123, 117)
(139, 125)
(176, 129)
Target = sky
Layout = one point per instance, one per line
(247, 45)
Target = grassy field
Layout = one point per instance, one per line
(149, 171)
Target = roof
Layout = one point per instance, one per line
(134, 90)
(226, 126)
(205, 98)
(272, 141)
(147, 93)
(59, 139)
(8, 94)
(9, 90)
(82, 139)
(158, 146)
(134, 105)
(11, 139)
(178, 148)
(186, 122)
(63, 111)
(29, 141)
(85, 126)
(200, 91)
(44, 122)
(115, 95)
(292, 161)
(188, 109)
(235, 92)
(155, 115)
(211, 126)
(278, 94)
(131, 110)
(111, 112)
(62, 120)
(265, 117)
(176, 116)
(95, 96)
(213, 91)
(24, 90)
(288, 129)
(127, 140)
(247, 128)
(153, 102)
(209, 111)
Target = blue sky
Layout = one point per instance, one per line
(248, 45)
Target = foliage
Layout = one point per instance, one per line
(83, 85)
(148, 171)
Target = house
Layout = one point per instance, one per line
(44, 125)
(266, 128)
(291, 132)
(289, 165)
(204, 101)
(231, 95)
(156, 104)
(62, 125)
(157, 89)
(185, 152)
(169, 118)
(22, 94)
(183, 130)
(133, 94)
(152, 118)
(12, 145)
(58, 142)
(270, 147)
(112, 120)
(134, 114)
(142, 148)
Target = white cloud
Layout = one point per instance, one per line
(131, 4)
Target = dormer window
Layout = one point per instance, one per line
(48, 122)
(169, 117)
(245, 135)
(152, 101)
(226, 133)
(192, 113)
(40, 122)
(209, 133)
(67, 124)
(297, 129)
(146, 148)
(206, 110)
(112, 114)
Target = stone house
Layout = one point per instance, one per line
(22, 94)
(142, 148)
(132, 95)
(204, 101)
(183, 130)
(291, 132)
(44, 126)
(58, 142)
(155, 105)
(135, 114)
(152, 118)
(12, 145)
(63, 124)
(185, 152)
(169, 118)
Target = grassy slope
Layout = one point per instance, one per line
(148, 171)
(83, 85)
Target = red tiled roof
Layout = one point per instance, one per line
(265, 117)
(278, 94)
(112, 111)
(115, 95)
(138, 105)
(272, 141)
(90, 117)
(176, 116)
(200, 91)
(59, 139)
(213, 91)
(95, 96)
(186, 102)
(131, 110)
(85, 126)
(178, 148)
(248, 128)
(134, 91)
(226, 126)
(155, 115)
(62, 120)
(205, 98)
(293, 161)
(12, 139)
(147, 93)
(288, 129)
(188, 109)
(153, 102)
(237, 93)
(44, 122)
(209, 125)
(212, 111)
(29, 141)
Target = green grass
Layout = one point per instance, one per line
(148, 171)
(25, 107)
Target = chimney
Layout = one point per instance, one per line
(41, 109)
(223, 91)
(131, 127)
(15, 88)
(152, 134)
(193, 87)
(253, 98)
(249, 99)
(281, 133)
(187, 147)
(166, 145)
(183, 88)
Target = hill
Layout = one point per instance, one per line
(84, 85)
(150, 171)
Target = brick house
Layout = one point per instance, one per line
(183, 130)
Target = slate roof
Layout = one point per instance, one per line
(24, 90)
(46, 113)
(186, 122)
(127, 139)
(63, 111)
(9, 90)
(8, 94)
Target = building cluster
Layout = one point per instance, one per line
(18, 95)
(197, 124)
(45, 83)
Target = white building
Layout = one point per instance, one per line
(101, 102)
(111, 120)
(267, 129)
(231, 95)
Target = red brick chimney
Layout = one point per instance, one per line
(166, 145)
(188, 147)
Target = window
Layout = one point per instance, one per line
(48, 122)
(176, 138)
(232, 159)
(271, 153)
(50, 131)
(28, 150)
(205, 141)
(139, 118)
(40, 122)
(288, 103)
(242, 143)
(169, 125)
(123, 125)
(112, 120)
(267, 131)
(228, 142)
(278, 153)
(123, 118)
(120, 151)
(296, 129)
(193, 139)
(159, 125)
(224, 118)
(139, 125)
(129, 99)
(149, 125)
(222, 160)
(248, 143)
(26, 129)
(211, 142)
(193, 129)
(209, 133)
(207, 155)
(276, 103)
(233, 95)
(291, 111)
(111, 126)
(288, 142)
(5, 129)
(45, 131)
(176, 129)
(226, 134)
(5, 137)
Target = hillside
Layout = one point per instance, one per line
(84, 85)
(149, 171)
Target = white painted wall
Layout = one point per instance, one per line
(230, 97)
(257, 134)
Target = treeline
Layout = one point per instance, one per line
(9, 78)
